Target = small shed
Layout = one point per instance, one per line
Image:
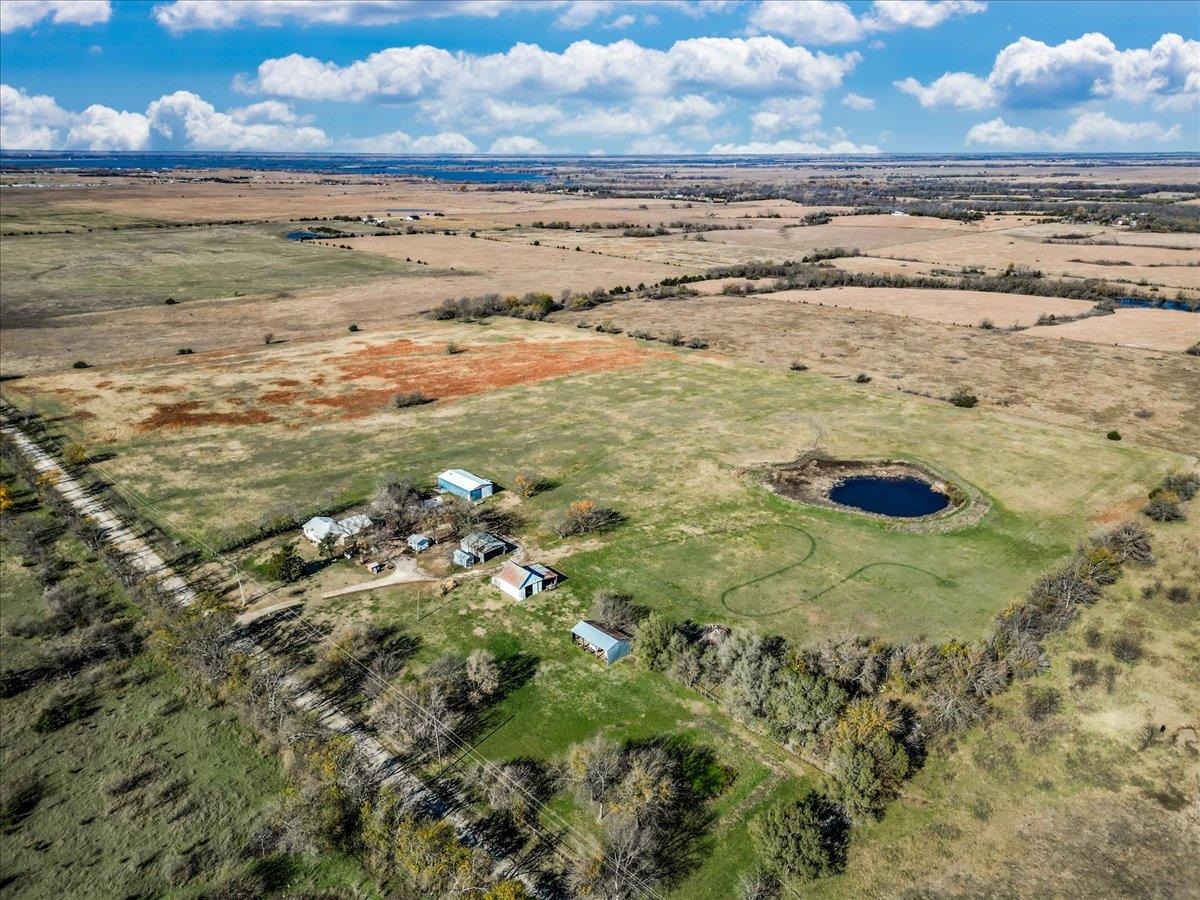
(419, 543)
(483, 546)
(603, 641)
(463, 484)
(521, 582)
(464, 558)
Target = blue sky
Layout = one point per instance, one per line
(537, 76)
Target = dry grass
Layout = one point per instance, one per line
(1061, 382)
(506, 268)
(310, 382)
(995, 250)
(953, 307)
(1151, 329)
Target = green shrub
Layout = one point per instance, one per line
(862, 378)
(62, 708)
(803, 839)
(411, 398)
(353, 328)
(964, 398)
(79, 364)
(1114, 435)
(798, 367)
(1041, 701)
(285, 564)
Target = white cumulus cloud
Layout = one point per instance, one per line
(833, 22)
(858, 101)
(954, 90)
(181, 119)
(786, 114)
(190, 15)
(1032, 74)
(188, 117)
(791, 147)
(1090, 131)
(643, 117)
(517, 145)
(731, 65)
(17, 14)
(402, 142)
(37, 122)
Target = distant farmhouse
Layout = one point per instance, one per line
(318, 528)
(478, 547)
(603, 641)
(521, 582)
(463, 484)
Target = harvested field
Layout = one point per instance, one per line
(994, 251)
(953, 307)
(514, 267)
(1075, 385)
(1151, 329)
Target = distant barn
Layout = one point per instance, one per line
(463, 484)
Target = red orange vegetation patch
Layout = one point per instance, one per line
(187, 413)
(403, 366)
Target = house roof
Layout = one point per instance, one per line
(354, 524)
(319, 526)
(463, 479)
(599, 635)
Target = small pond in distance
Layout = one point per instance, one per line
(906, 498)
(303, 235)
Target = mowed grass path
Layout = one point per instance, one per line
(666, 444)
(44, 276)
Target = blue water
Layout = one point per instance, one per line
(304, 235)
(445, 168)
(1139, 303)
(904, 498)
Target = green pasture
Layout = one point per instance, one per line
(670, 445)
(43, 276)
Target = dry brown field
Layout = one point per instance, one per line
(953, 307)
(510, 267)
(1149, 396)
(346, 378)
(994, 251)
(1152, 329)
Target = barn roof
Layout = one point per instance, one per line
(463, 479)
(518, 575)
(599, 635)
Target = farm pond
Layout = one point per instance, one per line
(890, 488)
(905, 498)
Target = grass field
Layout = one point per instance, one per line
(664, 442)
(1092, 799)
(153, 791)
(46, 276)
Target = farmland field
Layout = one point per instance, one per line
(64, 274)
(212, 452)
(298, 379)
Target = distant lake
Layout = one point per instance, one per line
(444, 168)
